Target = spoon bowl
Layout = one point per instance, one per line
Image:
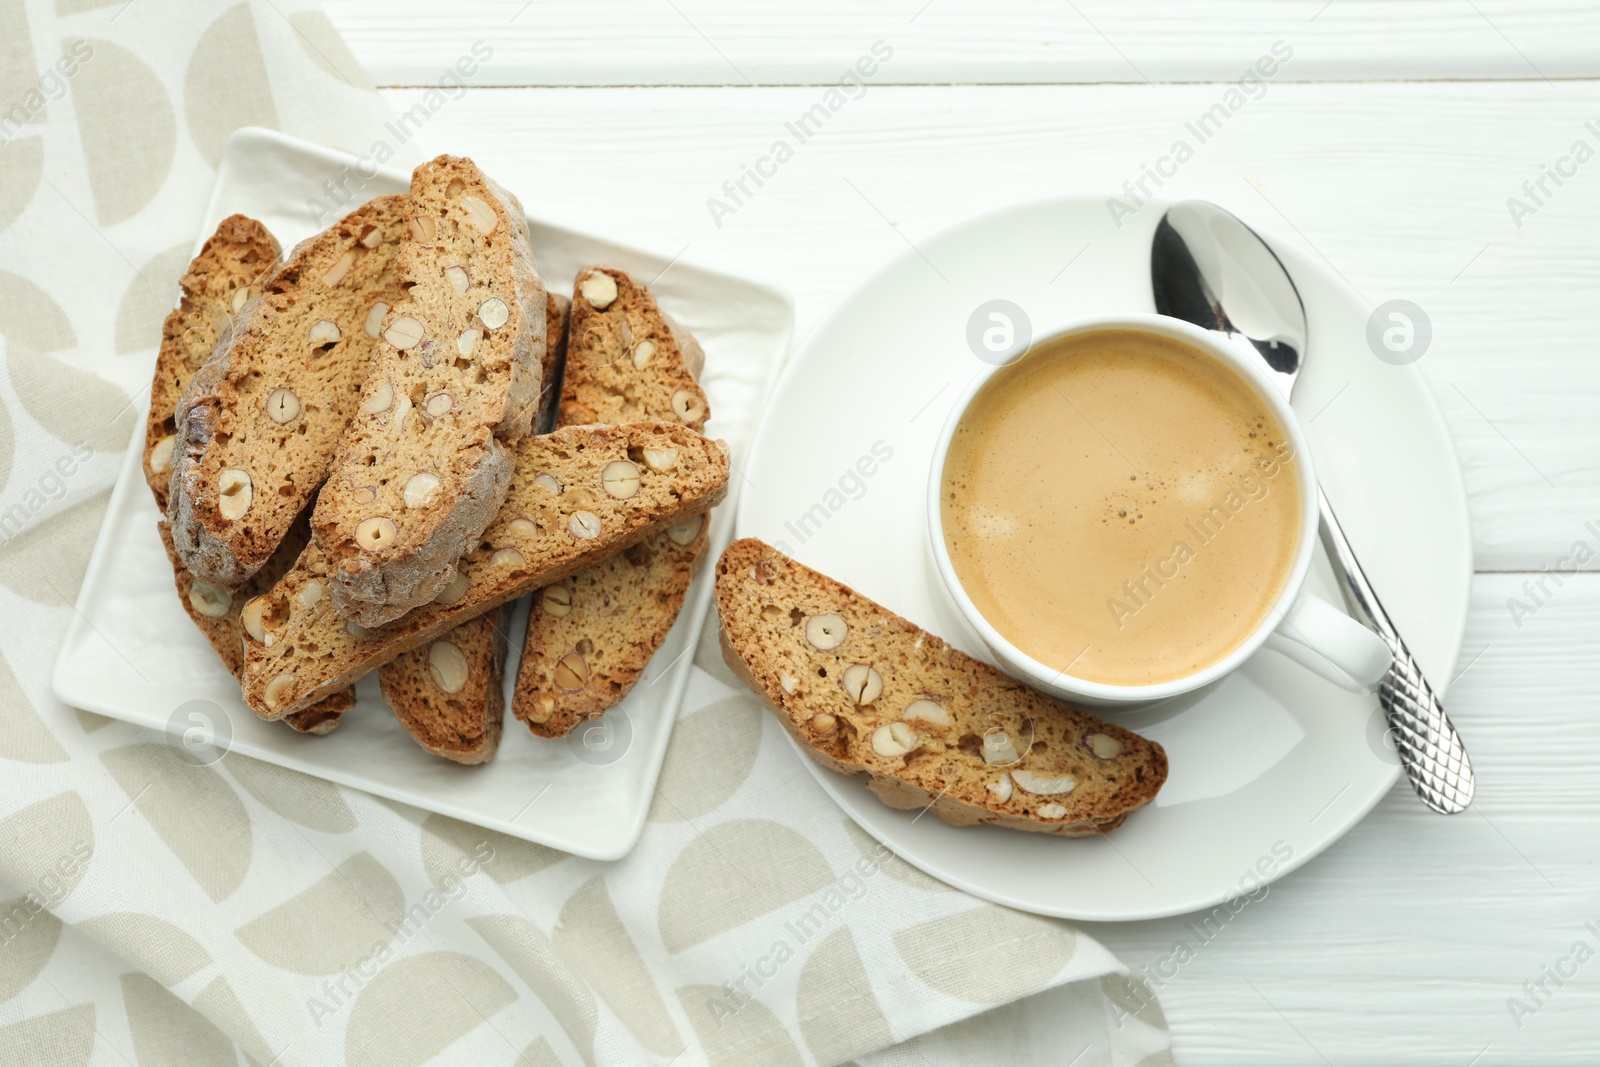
(1209, 268)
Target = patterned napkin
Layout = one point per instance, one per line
(160, 912)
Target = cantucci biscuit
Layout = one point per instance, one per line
(448, 693)
(231, 268)
(555, 358)
(866, 692)
(216, 611)
(591, 635)
(454, 381)
(580, 494)
(626, 360)
(323, 717)
(454, 723)
(257, 424)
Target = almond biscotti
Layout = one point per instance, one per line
(230, 269)
(432, 713)
(591, 635)
(258, 423)
(323, 717)
(216, 612)
(580, 494)
(555, 359)
(866, 692)
(448, 693)
(626, 360)
(454, 381)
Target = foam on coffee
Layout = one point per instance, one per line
(1121, 507)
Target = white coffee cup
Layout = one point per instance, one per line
(1304, 626)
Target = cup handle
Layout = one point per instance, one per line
(1318, 635)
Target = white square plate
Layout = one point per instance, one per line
(131, 652)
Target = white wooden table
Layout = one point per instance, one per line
(1390, 142)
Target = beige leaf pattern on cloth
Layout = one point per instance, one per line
(47, 847)
(218, 1001)
(890, 864)
(163, 951)
(839, 1015)
(61, 1039)
(332, 925)
(170, 793)
(534, 958)
(74, 406)
(732, 873)
(227, 86)
(29, 940)
(90, 721)
(77, 7)
(167, 1032)
(23, 735)
(150, 295)
(127, 128)
(406, 811)
(726, 736)
(590, 934)
(418, 1006)
(18, 68)
(46, 561)
(30, 318)
(21, 166)
(988, 955)
(1157, 1059)
(538, 1054)
(446, 842)
(311, 802)
(327, 49)
(751, 1035)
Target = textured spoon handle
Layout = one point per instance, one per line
(1431, 751)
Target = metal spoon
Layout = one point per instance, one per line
(1207, 267)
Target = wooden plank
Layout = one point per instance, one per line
(737, 42)
(1402, 187)
(1404, 942)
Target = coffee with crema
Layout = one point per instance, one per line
(1121, 507)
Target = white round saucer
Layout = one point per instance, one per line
(1268, 767)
